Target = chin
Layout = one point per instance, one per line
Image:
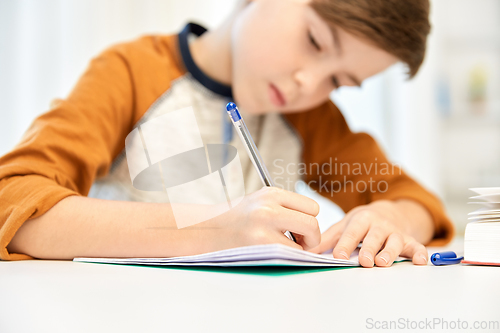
(247, 103)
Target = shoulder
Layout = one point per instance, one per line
(146, 56)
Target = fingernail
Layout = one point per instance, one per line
(384, 259)
(423, 259)
(369, 258)
(343, 254)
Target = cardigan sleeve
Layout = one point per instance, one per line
(65, 149)
(75, 142)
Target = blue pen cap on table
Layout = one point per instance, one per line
(445, 258)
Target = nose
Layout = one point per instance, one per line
(309, 79)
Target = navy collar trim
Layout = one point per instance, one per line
(192, 68)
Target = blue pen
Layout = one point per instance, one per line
(445, 258)
(251, 149)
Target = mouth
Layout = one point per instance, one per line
(276, 96)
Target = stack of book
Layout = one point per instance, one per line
(482, 233)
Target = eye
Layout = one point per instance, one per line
(313, 41)
(335, 82)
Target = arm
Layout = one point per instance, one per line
(80, 226)
(66, 148)
(86, 227)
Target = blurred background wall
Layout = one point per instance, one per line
(443, 126)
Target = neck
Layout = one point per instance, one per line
(212, 53)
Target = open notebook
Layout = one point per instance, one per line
(256, 255)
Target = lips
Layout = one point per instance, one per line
(276, 96)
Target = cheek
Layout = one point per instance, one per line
(266, 55)
(257, 60)
(246, 71)
(268, 38)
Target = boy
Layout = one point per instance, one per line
(278, 60)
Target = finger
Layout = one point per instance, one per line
(294, 201)
(416, 251)
(329, 238)
(299, 223)
(354, 232)
(393, 247)
(372, 244)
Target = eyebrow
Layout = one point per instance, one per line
(338, 47)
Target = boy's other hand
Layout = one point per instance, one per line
(263, 216)
(385, 229)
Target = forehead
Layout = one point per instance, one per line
(362, 54)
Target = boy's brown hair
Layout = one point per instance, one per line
(399, 27)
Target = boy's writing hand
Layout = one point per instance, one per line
(383, 226)
(263, 216)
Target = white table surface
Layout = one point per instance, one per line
(59, 296)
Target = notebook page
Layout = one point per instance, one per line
(241, 256)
